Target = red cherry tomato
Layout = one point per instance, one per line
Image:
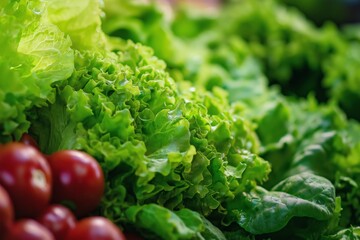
(77, 179)
(95, 228)
(6, 212)
(29, 140)
(28, 229)
(26, 176)
(58, 219)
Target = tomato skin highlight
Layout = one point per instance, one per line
(77, 179)
(58, 220)
(6, 212)
(95, 228)
(28, 229)
(26, 176)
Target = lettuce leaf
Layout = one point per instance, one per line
(81, 20)
(182, 224)
(35, 55)
(352, 233)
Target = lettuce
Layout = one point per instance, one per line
(81, 21)
(183, 224)
(157, 142)
(343, 80)
(296, 55)
(35, 55)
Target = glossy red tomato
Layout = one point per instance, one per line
(26, 176)
(77, 179)
(95, 228)
(29, 140)
(58, 219)
(28, 229)
(6, 212)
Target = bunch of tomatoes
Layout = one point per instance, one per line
(48, 197)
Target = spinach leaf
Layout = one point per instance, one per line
(303, 195)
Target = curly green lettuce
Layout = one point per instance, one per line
(155, 142)
(35, 54)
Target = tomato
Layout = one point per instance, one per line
(95, 228)
(78, 180)
(28, 229)
(29, 140)
(6, 211)
(26, 176)
(58, 219)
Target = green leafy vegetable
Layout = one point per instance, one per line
(155, 143)
(35, 54)
(304, 195)
(182, 224)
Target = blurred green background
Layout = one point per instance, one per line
(320, 11)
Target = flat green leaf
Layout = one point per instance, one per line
(303, 195)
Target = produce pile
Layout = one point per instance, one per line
(235, 124)
(41, 196)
